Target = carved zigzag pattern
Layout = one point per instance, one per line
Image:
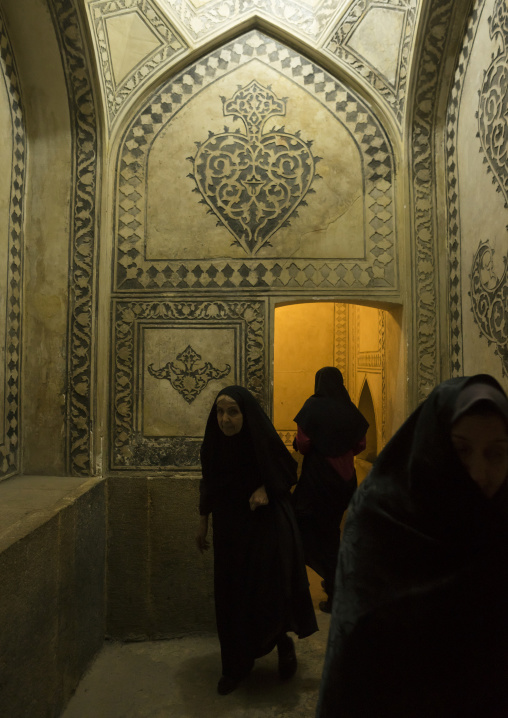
(9, 443)
(379, 270)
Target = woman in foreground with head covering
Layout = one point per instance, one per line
(331, 431)
(419, 626)
(260, 583)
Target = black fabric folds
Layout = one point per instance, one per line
(260, 582)
(334, 426)
(329, 418)
(419, 625)
(258, 445)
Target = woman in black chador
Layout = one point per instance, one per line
(261, 586)
(419, 626)
(331, 431)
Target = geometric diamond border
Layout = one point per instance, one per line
(83, 236)
(131, 450)
(337, 46)
(171, 46)
(378, 270)
(9, 443)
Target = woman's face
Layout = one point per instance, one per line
(229, 416)
(481, 443)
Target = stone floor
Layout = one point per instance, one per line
(178, 678)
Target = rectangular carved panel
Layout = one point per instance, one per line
(213, 194)
(170, 360)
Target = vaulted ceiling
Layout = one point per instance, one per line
(135, 42)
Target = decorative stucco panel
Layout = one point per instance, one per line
(477, 165)
(136, 40)
(375, 39)
(150, 37)
(12, 195)
(82, 238)
(254, 168)
(158, 417)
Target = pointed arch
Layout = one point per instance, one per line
(366, 406)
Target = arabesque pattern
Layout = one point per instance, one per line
(493, 103)
(255, 181)
(489, 300)
(188, 375)
(130, 448)
(83, 233)
(377, 270)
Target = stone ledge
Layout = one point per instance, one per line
(27, 502)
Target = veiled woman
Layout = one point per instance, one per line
(260, 582)
(419, 625)
(331, 431)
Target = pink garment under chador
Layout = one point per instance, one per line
(344, 465)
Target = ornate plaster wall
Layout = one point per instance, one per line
(306, 206)
(304, 341)
(136, 41)
(477, 154)
(251, 177)
(47, 199)
(12, 190)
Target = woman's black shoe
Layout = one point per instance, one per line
(226, 685)
(287, 658)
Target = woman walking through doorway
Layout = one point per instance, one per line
(331, 431)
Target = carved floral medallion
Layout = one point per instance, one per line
(255, 181)
(187, 375)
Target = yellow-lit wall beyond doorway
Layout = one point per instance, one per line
(356, 339)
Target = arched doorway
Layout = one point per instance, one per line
(363, 342)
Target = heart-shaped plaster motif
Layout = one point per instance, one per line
(254, 182)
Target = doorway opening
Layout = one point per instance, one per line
(363, 342)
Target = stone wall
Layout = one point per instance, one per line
(159, 585)
(52, 602)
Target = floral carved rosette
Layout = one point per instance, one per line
(493, 105)
(187, 375)
(253, 182)
(489, 300)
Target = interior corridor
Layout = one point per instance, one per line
(177, 678)
(197, 194)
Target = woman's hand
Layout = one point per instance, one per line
(258, 498)
(201, 540)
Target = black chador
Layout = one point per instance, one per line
(331, 430)
(261, 586)
(419, 624)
